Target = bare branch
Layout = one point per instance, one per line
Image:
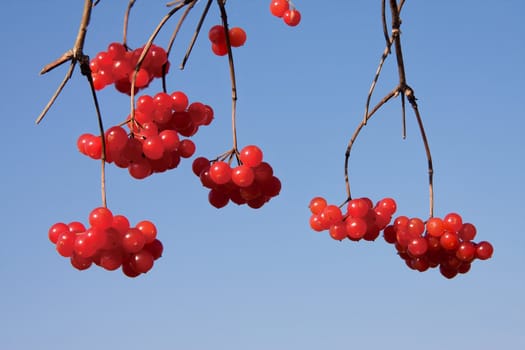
(74, 55)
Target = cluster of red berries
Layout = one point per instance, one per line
(362, 219)
(283, 9)
(153, 144)
(217, 36)
(117, 66)
(251, 182)
(445, 243)
(109, 242)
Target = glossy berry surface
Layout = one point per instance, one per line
(109, 242)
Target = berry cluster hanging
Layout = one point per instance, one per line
(156, 134)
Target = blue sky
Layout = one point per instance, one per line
(238, 278)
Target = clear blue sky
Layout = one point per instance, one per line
(238, 278)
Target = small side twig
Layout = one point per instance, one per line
(196, 34)
(74, 55)
(147, 46)
(126, 21)
(401, 89)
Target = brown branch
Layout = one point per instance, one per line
(172, 40)
(412, 99)
(145, 50)
(57, 92)
(384, 56)
(74, 55)
(385, 27)
(224, 18)
(196, 34)
(380, 104)
(402, 88)
(84, 68)
(126, 21)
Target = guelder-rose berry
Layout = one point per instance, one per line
(108, 242)
(292, 17)
(251, 182)
(279, 7)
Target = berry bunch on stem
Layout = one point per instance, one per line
(219, 40)
(116, 66)
(109, 242)
(156, 138)
(361, 220)
(250, 182)
(286, 10)
(446, 243)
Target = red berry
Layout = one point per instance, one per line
(279, 7)
(80, 263)
(155, 248)
(148, 230)
(180, 101)
(237, 36)
(101, 218)
(142, 78)
(65, 243)
(217, 35)
(199, 164)
(416, 227)
(417, 247)
(484, 250)
(338, 231)
(452, 222)
(435, 227)
(355, 227)
(358, 207)
(251, 155)
(466, 251)
(186, 148)
(331, 215)
(317, 205)
(467, 232)
(242, 175)
(56, 230)
(133, 241)
(387, 206)
(116, 138)
(218, 198)
(220, 49)
(449, 241)
(220, 172)
(142, 261)
(111, 259)
(315, 223)
(116, 50)
(170, 139)
(292, 17)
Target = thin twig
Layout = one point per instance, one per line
(126, 21)
(195, 35)
(74, 55)
(224, 18)
(401, 89)
(145, 50)
(84, 67)
(412, 99)
(383, 21)
(172, 40)
(57, 92)
(380, 104)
